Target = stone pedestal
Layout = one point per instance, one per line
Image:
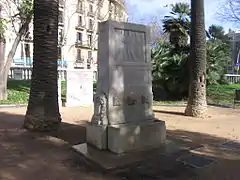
(136, 137)
(79, 90)
(123, 119)
(97, 135)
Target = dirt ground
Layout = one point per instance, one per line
(37, 156)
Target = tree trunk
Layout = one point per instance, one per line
(5, 66)
(3, 78)
(43, 110)
(197, 104)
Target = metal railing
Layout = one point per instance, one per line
(233, 78)
(25, 73)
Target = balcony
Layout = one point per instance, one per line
(90, 29)
(79, 63)
(80, 27)
(80, 44)
(91, 14)
(79, 60)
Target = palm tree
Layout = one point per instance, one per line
(197, 105)
(43, 110)
(178, 25)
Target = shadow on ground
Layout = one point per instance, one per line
(38, 156)
(170, 112)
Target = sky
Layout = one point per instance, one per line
(143, 11)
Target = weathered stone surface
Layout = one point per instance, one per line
(125, 71)
(124, 97)
(79, 87)
(97, 135)
(130, 137)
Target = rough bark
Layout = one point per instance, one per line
(43, 110)
(197, 104)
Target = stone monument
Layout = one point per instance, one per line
(79, 91)
(123, 119)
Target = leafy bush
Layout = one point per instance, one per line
(169, 70)
(217, 57)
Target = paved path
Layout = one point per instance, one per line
(34, 156)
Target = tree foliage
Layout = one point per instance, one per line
(231, 11)
(178, 24)
(170, 63)
(19, 15)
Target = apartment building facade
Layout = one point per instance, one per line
(235, 51)
(78, 32)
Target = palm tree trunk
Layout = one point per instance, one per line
(197, 105)
(43, 110)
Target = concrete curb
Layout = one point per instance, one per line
(154, 104)
(12, 105)
(184, 105)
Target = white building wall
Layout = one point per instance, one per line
(69, 27)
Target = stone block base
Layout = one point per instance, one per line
(136, 137)
(109, 160)
(97, 135)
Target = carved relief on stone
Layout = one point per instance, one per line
(129, 51)
(99, 116)
(145, 100)
(131, 100)
(116, 101)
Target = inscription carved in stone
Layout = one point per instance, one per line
(116, 101)
(133, 46)
(144, 100)
(131, 101)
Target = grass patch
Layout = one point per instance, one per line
(221, 94)
(18, 93)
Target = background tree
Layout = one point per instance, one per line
(217, 32)
(19, 15)
(197, 104)
(43, 110)
(231, 11)
(178, 24)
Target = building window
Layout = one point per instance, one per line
(60, 17)
(59, 53)
(27, 51)
(22, 51)
(60, 35)
(90, 8)
(89, 54)
(80, 6)
(90, 24)
(79, 37)
(89, 39)
(79, 56)
(80, 21)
